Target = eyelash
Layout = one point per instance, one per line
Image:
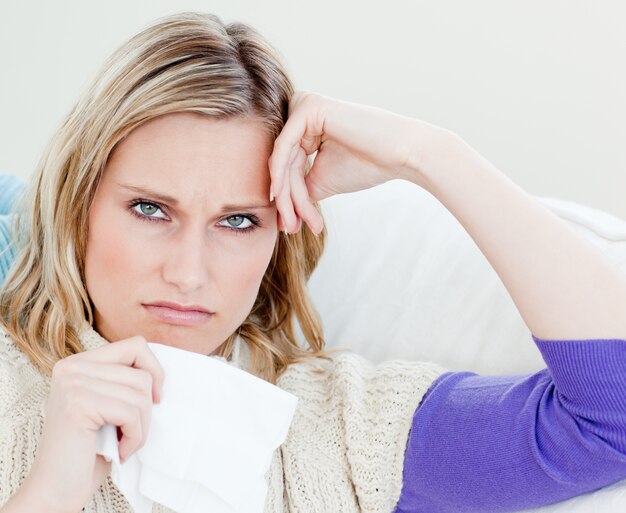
(239, 231)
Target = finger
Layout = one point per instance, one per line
(118, 413)
(317, 187)
(285, 145)
(279, 162)
(132, 435)
(284, 203)
(133, 352)
(129, 396)
(300, 195)
(279, 221)
(135, 378)
(282, 227)
(288, 214)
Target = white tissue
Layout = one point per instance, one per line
(210, 442)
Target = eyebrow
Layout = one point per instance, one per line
(173, 201)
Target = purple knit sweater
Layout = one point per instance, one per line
(506, 443)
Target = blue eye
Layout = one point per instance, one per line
(147, 210)
(236, 222)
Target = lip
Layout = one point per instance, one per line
(183, 315)
(180, 308)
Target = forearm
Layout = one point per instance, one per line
(20, 503)
(27, 500)
(563, 287)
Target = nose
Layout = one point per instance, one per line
(185, 262)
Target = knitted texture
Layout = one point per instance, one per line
(344, 450)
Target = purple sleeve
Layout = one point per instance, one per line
(506, 443)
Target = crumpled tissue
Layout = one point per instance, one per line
(210, 441)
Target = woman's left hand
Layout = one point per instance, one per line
(357, 147)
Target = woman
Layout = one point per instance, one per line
(176, 205)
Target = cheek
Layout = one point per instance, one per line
(245, 270)
(112, 262)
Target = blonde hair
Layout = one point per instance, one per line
(189, 61)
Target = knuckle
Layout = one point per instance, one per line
(145, 379)
(302, 94)
(65, 367)
(140, 341)
(309, 98)
(57, 370)
(136, 399)
(295, 98)
(60, 366)
(141, 345)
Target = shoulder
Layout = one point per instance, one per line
(20, 381)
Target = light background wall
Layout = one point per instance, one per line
(538, 87)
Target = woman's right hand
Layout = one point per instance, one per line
(113, 384)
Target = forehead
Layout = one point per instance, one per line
(190, 152)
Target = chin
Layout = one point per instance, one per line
(182, 337)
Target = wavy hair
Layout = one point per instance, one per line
(190, 61)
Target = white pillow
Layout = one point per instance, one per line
(401, 278)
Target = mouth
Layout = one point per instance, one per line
(182, 315)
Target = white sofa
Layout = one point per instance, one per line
(401, 278)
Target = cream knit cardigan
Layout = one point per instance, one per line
(343, 453)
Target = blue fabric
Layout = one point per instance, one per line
(10, 188)
(506, 443)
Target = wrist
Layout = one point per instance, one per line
(431, 150)
(30, 498)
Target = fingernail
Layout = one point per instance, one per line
(271, 196)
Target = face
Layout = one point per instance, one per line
(181, 231)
